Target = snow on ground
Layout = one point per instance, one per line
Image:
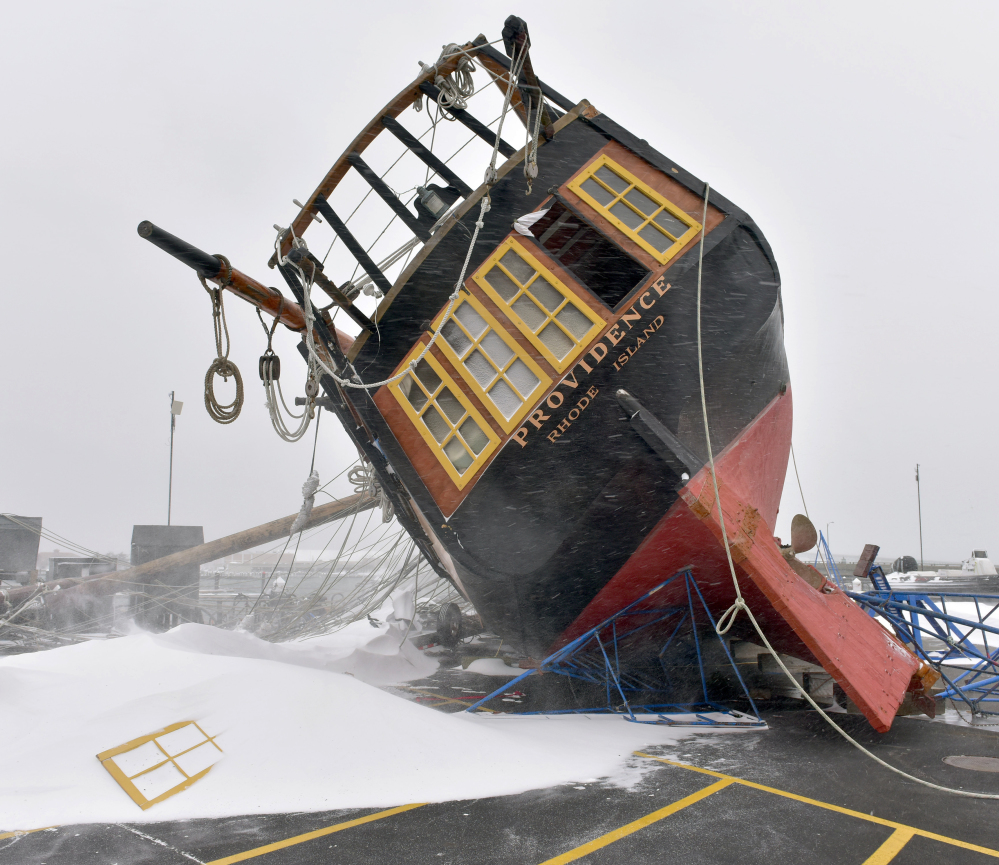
(298, 731)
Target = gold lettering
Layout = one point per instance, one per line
(538, 418)
(645, 305)
(592, 392)
(520, 436)
(658, 286)
(658, 321)
(640, 343)
(552, 396)
(564, 425)
(598, 356)
(623, 359)
(630, 316)
(571, 379)
(573, 413)
(583, 403)
(614, 338)
(554, 434)
(584, 366)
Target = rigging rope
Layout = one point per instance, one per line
(228, 412)
(270, 375)
(727, 618)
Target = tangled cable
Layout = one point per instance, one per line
(365, 481)
(456, 89)
(221, 366)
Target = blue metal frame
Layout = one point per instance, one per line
(823, 547)
(596, 657)
(917, 618)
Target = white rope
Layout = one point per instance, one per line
(274, 410)
(490, 178)
(727, 618)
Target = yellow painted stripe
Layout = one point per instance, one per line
(891, 848)
(648, 819)
(308, 836)
(988, 851)
(24, 832)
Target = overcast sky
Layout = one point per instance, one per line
(860, 136)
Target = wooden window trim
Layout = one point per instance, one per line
(542, 268)
(544, 380)
(603, 160)
(460, 480)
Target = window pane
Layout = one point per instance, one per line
(481, 368)
(455, 337)
(546, 294)
(425, 373)
(474, 323)
(520, 269)
(596, 191)
(556, 341)
(528, 310)
(473, 435)
(497, 350)
(523, 379)
(448, 402)
(506, 398)
(413, 392)
(655, 238)
(642, 202)
(505, 287)
(626, 215)
(618, 184)
(436, 424)
(574, 321)
(460, 458)
(673, 225)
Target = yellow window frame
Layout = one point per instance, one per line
(604, 161)
(460, 479)
(569, 295)
(518, 353)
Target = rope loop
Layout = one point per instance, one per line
(221, 366)
(218, 412)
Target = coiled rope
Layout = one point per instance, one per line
(221, 366)
(727, 619)
(491, 176)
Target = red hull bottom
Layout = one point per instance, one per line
(820, 626)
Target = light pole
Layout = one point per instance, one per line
(832, 523)
(919, 502)
(176, 406)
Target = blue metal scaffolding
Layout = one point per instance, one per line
(601, 657)
(956, 646)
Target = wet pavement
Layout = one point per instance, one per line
(796, 792)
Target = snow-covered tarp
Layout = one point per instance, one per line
(300, 729)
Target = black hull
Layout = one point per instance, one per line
(547, 525)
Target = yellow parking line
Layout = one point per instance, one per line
(617, 834)
(308, 836)
(988, 851)
(24, 832)
(891, 848)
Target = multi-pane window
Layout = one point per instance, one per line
(450, 425)
(557, 322)
(499, 371)
(657, 225)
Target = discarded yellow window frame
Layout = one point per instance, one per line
(655, 224)
(445, 418)
(492, 363)
(168, 755)
(558, 323)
